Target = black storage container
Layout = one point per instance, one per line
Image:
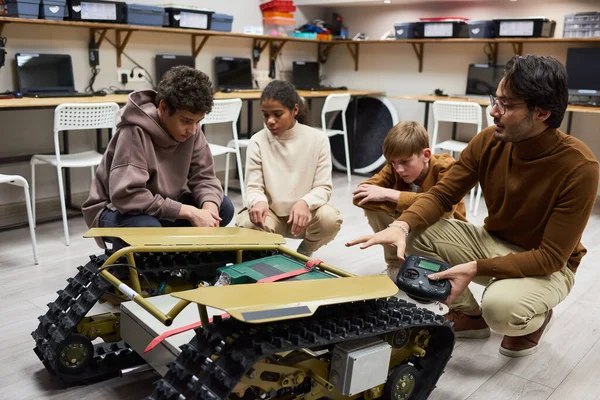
(189, 18)
(524, 27)
(53, 9)
(482, 29)
(22, 8)
(138, 14)
(445, 29)
(408, 30)
(96, 10)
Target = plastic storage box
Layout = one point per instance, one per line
(445, 29)
(53, 9)
(279, 26)
(189, 18)
(286, 6)
(138, 14)
(482, 29)
(22, 8)
(221, 22)
(96, 10)
(524, 27)
(582, 25)
(408, 30)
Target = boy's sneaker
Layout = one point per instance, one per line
(521, 346)
(465, 326)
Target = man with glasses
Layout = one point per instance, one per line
(539, 186)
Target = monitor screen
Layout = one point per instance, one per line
(165, 62)
(233, 73)
(305, 74)
(44, 72)
(483, 79)
(582, 66)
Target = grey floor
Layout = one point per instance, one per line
(563, 368)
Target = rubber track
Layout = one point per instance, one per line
(194, 374)
(85, 289)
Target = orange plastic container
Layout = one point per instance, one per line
(276, 14)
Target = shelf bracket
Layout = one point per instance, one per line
(418, 48)
(353, 53)
(517, 48)
(493, 52)
(323, 52)
(275, 49)
(101, 38)
(196, 49)
(2, 26)
(258, 46)
(122, 43)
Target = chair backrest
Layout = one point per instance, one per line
(465, 112)
(223, 111)
(488, 117)
(335, 102)
(71, 117)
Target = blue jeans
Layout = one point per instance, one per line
(114, 219)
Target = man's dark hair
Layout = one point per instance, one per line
(285, 93)
(185, 88)
(540, 82)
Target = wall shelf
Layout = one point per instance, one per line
(199, 38)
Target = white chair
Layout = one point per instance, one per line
(74, 117)
(17, 180)
(488, 117)
(338, 102)
(464, 112)
(224, 111)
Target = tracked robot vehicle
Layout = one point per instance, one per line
(233, 314)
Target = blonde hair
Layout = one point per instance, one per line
(405, 139)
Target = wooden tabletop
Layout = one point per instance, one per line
(485, 102)
(32, 102)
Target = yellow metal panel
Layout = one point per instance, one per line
(266, 302)
(188, 236)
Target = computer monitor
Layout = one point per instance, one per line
(165, 62)
(305, 74)
(233, 73)
(37, 73)
(483, 79)
(583, 65)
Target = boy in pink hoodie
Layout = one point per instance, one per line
(158, 169)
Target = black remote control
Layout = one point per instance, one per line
(413, 280)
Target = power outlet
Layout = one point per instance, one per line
(139, 75)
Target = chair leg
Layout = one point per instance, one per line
(477, 200)
(33, 193)
(238, 157)
(31, 222)
(226, 173)
(63, 207)
(348, 166)
(472, 199)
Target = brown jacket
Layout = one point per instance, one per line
(439, 165)
(539, 194)
(144, 170)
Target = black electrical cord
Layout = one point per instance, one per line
(150, 289)
(95, 72)
(3, 42)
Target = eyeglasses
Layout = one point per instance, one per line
(502, 107)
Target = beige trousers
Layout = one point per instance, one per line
(379, 220)
(512, 307)
(324, 224)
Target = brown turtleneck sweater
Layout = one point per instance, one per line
(539, 194)
(439, 165)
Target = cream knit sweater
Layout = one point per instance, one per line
(282, 170)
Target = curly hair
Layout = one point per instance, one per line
(185, 88)
(285, 93)
(541, 82)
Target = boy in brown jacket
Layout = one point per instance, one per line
(157, 151)
(410, 171)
